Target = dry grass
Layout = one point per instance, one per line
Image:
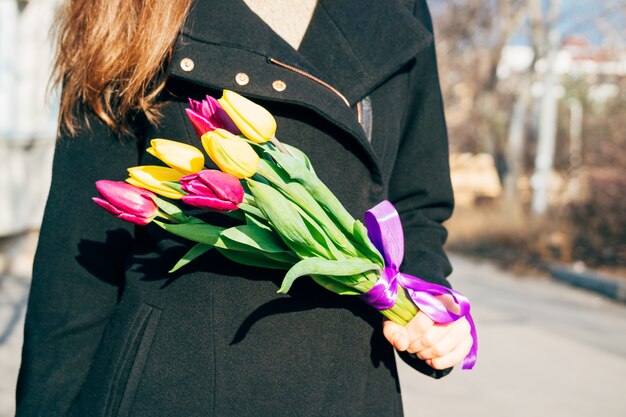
(589, 233)
(509, 236)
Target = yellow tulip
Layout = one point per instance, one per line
(180, 156)
(256, 123)
(230, 153)
(150, 177)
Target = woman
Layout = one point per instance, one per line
(110, 333)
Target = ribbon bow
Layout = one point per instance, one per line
(385, 230)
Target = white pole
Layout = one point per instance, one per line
(575, 147)
(547, 122)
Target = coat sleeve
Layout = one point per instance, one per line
(420, 185)
(78, 271)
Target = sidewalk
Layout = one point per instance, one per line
(16, 254)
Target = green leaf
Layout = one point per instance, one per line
(235, 214)
(295, 168)
(335, 286)
(365, 244)
(255, 238)
(258, 222)
(319, 266)
(170, 209)
(287, 257)
(247, 208)
(301, 156)
(253, 259)
(286, 220)
(195, 231)
(272, 173)
(176, 186)
(320, 236)
(192, 254)
(318, 190)
(301, 197)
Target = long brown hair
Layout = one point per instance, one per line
(110, 58)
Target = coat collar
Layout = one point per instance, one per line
(353, 52)
(369, 47)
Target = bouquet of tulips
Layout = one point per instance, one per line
(288, 218)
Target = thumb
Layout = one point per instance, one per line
(396, 335)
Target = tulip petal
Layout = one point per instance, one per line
(208, 115)
(131, 218)
(199, 188)
(139, 220)
(254, 121)
(184, 158)
(151, 178)
(187, 178)
(209, 105)
(126, 198)
(230, 153)
(223, 185)
(211, 203)
(222, 118)
(200, 123)
(106, 205)
(124, 201)
(195, 105)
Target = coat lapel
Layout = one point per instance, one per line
(353, 52)
(365, 48)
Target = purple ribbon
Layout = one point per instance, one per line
(385, 230)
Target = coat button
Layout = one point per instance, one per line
(242, 78)
(187, 64)
(279, 85)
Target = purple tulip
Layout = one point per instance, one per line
(208, 115)
(126, 202)
(212, 189)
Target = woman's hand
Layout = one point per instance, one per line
(440, 345)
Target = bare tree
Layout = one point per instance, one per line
(472, 36)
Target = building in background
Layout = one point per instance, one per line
(28, 114)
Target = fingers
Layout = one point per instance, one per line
(430, 338)
(419, 326)
(396, 335)
(443, 339)
(452, 358)
(402, 336)
(440, 345)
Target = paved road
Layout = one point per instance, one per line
(15, 267)
(545, 349)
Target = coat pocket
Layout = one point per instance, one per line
(132, 362)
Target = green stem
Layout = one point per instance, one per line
(166, 216)
(404, 308)
(303, 199)
(326, 198)
(280, 146)
(249, 199)
(391, 315)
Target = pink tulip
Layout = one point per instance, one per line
(213, 190)
(208, 115)
(126, 202)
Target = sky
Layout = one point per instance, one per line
(599, 21)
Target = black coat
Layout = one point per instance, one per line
(110, 333)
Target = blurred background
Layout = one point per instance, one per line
(535, 96)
